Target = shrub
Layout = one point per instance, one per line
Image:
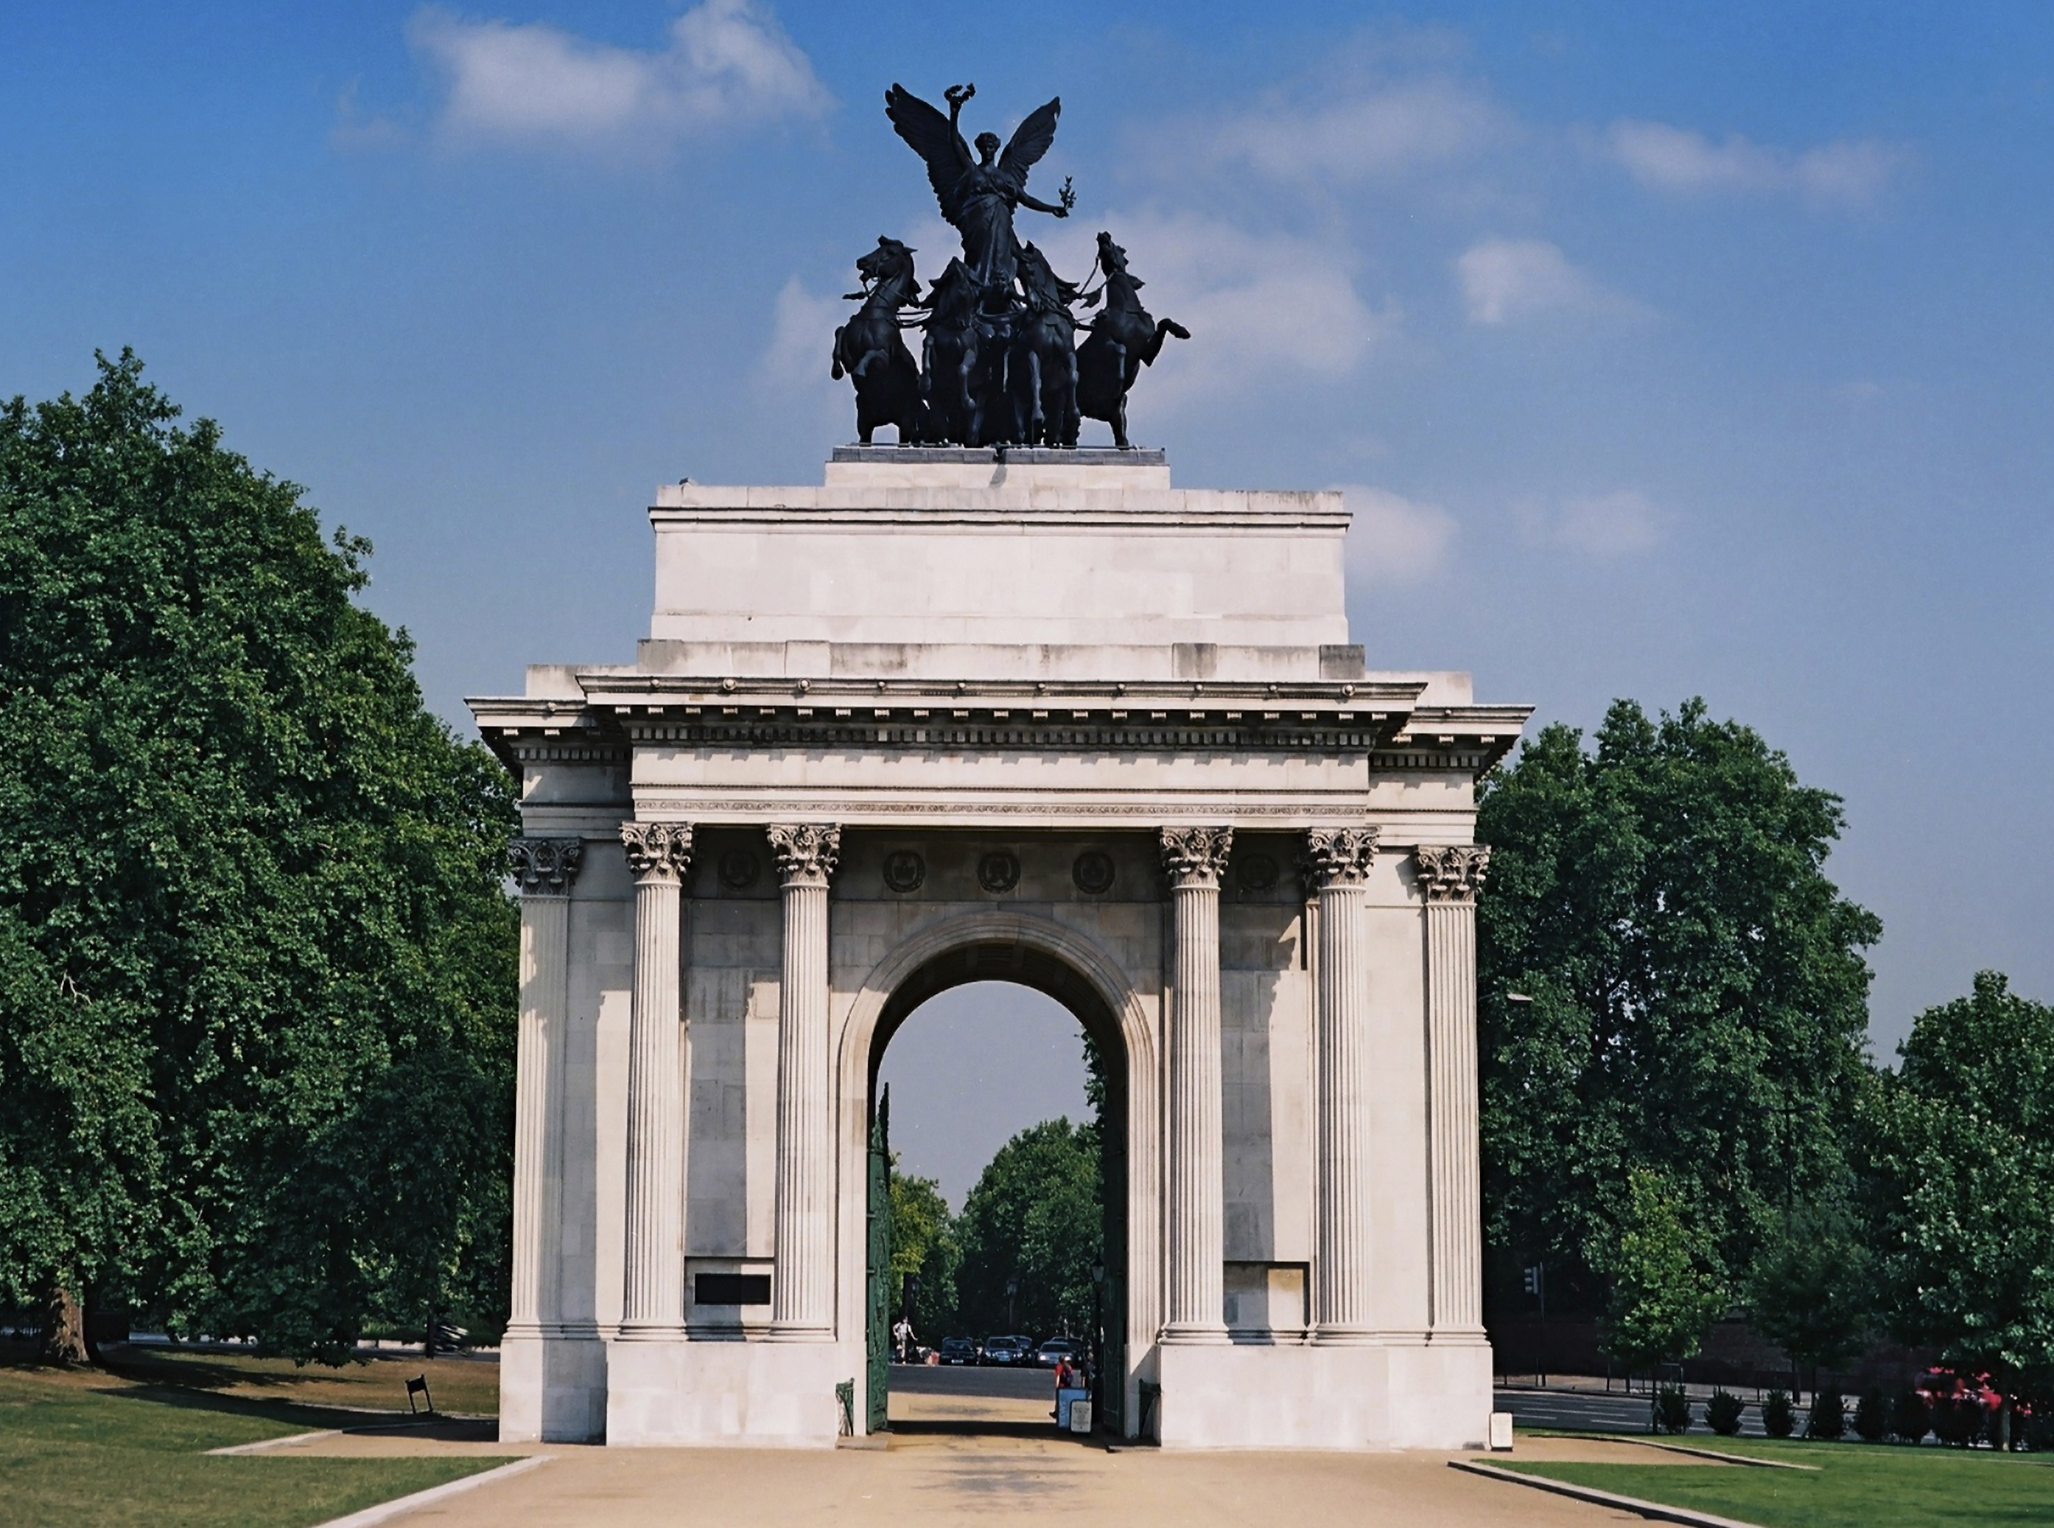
(1722, 1413)
(1872, 1415)
(1672, 1409)
(1828, 1417)
(1910, 1420)
(1777, 1418)
(2038, 1429)
(1957, 1420)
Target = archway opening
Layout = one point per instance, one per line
(1003, 1076)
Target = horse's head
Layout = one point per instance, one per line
(1111, 258)
(1043, 286)
(887, 266)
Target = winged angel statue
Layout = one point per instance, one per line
(1000, 364)
(978, 195)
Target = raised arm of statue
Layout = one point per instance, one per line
(1035, 204)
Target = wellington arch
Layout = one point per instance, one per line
(1032, 715)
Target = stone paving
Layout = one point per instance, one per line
(954, 1460)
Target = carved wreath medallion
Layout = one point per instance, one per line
(904, 871)
(998, 871)
(1093, 872)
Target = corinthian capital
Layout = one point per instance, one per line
(805, 851)
(662, 850)
(1339, 856)
(1196, 856)
(1452, 872)
(545, 867)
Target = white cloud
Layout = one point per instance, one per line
(1847, 172)
(1608, 525)
(1257, 304)
(1504, 280)
(1361, 131)
(727, 62)
(802, 337)
(1395, 540)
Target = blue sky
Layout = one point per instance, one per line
(1665, 350)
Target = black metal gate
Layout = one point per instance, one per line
(878, 1288)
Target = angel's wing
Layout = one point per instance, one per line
(934, 138)
(1030, 143)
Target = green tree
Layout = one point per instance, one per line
(1034, 1217)
(1665, 1285)
(923, 1246)
(1811, 1290)
(1961, 1142)
(1698, 996)
(256, 965)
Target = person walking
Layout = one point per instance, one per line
(1070, 1388)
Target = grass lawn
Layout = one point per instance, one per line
(1857, 1485)
(127, 1445)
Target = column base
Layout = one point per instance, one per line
(724, 1394)
(1395, 1393)
(1193, 1335)
(552, 1386)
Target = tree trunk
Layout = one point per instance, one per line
(64, 1327)
(2004, 1424)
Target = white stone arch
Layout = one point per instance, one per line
(1135, 1017)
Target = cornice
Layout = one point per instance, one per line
(620, 712)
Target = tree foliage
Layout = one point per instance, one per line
(923, 1246)
(1035, 1216)
(1665, 1285)
(1811, 1290)
(256, 966)
(1961, 1141)
(1699, 996)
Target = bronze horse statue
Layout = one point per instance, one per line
(1041, 362)
(951, 382)
(1123, 339)
(871, 352)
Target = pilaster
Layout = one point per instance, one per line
(1194, 860)
(653, 1303)
(1449, 878)
(802, 1270)
(543, 870)
(1337, 864)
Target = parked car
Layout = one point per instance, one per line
(1006, 1351)
(958, 1350)
(1056, 1349)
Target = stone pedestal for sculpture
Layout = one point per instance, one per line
(1042, 717)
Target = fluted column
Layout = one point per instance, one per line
(1193, 859)
(654, 1293)
(543, 869)
(1337, 862)
(802, 1275)
(1450, 877)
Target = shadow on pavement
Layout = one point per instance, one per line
(977, 1427)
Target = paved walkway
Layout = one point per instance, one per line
(935, 1472)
